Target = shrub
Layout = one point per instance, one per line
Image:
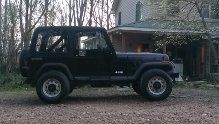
(12, 81)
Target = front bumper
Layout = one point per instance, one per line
(174, 76)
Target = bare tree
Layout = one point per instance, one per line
(5, 31)
(107, 15)
(92, 2)
(103, 16)
(81, 7)
(27, 26)
(11, 49)
(46, 12)
(1, 53)
(20, 17)
(72, 13)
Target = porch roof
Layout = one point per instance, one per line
(168, 26)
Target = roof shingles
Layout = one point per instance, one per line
(177, 25)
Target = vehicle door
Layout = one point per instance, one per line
(93, 58)
(51, 47)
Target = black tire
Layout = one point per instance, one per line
(136, 88)
(51, 77)
(156, 85)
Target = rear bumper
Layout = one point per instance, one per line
(24, 70)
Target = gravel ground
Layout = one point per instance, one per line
(112, 105)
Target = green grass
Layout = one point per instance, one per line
(197, 85)
(13, 82)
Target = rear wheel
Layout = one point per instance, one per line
(52, 87)
(156, 85)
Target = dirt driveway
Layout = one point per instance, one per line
(112, 105)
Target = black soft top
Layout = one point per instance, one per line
(69, 28)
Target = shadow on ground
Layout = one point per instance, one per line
(106, 96)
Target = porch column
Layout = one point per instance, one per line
(217, 58)
(208, 61)
(123, 42)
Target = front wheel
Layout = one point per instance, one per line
(52, 87)
(156, 85)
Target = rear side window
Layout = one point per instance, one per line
(91, 41)
(51, 42)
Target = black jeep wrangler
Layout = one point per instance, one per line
(62, 58)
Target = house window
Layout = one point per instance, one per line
(173, 9)
(215, 10)
(205, 10)
(120, 18)
(211, 10)
(139, 11)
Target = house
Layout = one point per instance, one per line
(139, 22)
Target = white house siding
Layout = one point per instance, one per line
(152, 9)
(156, 9)
(193, 15)
(127, 8)
(128, 11)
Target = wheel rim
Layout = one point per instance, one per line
(51, 88)
(157, 85)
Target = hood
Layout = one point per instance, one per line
(145, 56)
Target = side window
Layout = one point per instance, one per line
(51, 43)
(39, 41)
(91, 41)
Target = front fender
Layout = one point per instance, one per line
(167, 67)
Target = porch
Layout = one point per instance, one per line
(193, 55)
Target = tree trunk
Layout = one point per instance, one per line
(5, 31)
(74, 13)
(21, 45)
(108, 15)
(46, 12)
(27, 5)
(27, 26)
(11, 59)
(91, 12)
(81, 6)
(1, 33)
(102, 13)
(70, 12)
